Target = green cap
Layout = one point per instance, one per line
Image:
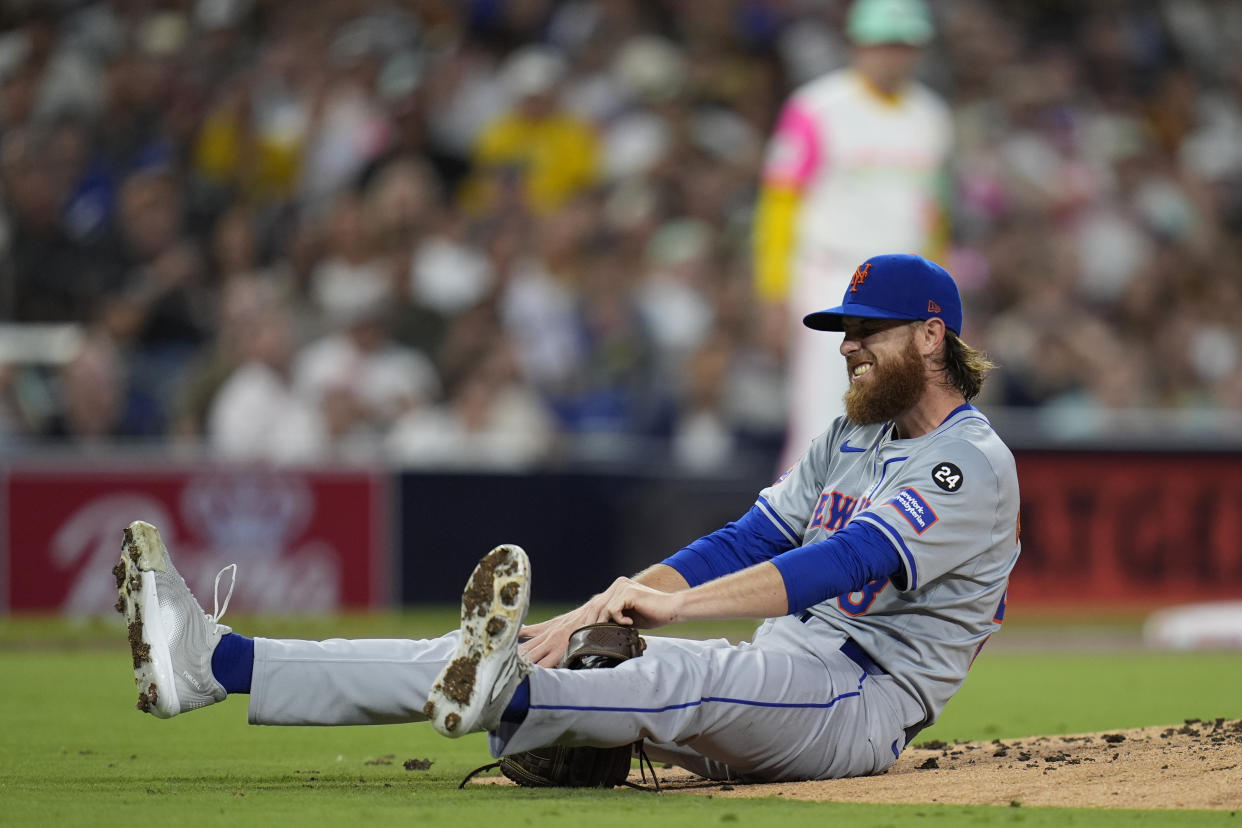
(872, 22)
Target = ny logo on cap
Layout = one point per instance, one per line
(860, 276)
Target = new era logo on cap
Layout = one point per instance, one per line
(895, 286)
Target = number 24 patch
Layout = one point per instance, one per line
(947, 476)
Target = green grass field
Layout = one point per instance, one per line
(73, 751)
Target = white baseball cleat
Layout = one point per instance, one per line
(472, 690)
(172, 639)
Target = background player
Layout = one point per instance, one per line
(880, 561)
(854, 167)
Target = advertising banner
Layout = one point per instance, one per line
(304, 541)
(1152, 528)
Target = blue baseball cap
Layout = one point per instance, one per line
(895, 286)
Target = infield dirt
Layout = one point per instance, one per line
(1193, 765)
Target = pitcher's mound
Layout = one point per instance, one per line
(1195, 765)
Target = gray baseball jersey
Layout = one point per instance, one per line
(948, 501)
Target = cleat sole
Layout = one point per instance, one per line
(492, 612)
(142, 555)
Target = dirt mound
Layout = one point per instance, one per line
(1194, 765)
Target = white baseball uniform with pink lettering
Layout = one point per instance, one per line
(867, 170)
(835, 691)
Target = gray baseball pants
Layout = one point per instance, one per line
(790, 705)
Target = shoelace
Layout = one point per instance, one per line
(643, 759)
(217, 611)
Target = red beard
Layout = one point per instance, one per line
(894, 387)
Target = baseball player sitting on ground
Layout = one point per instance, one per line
(880, 561)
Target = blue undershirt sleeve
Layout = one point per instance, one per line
(837, 565)
(749, 540)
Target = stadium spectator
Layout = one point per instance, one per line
(491, 420)
(257, 413)
(361, 380)
(47, 275)
(92, 390)
(537, 155)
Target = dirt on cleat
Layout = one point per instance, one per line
(141, 650)
(459, 678)
(479, 591)
(147, 699)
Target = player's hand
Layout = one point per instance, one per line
(547, 640)
(628, 602)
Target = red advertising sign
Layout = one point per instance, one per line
(1143, 528)
(304, 541)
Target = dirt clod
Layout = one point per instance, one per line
(495, 626)
(118, 572)
(478, 592)
(417, 764)
(458, 682)
(930, 764)
(147, 699)
(509, 594)
(141, 650)
(451, 721)
(134, 554)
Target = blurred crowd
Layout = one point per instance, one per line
(506, 232)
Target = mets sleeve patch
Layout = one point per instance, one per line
(915, 510)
